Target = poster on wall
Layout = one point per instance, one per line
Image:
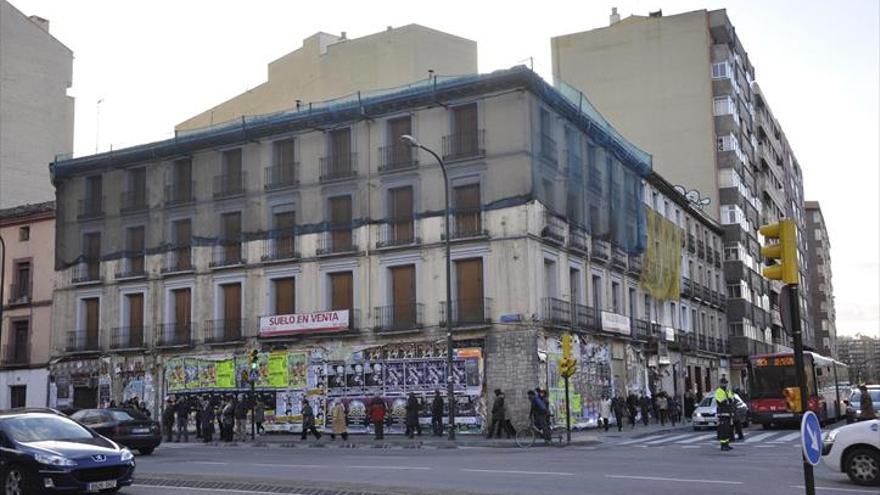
(354, 378)
(297, 369)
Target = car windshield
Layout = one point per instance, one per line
(24, 429)
(707, 402)
(120, 415)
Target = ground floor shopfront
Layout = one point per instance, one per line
(23, 387)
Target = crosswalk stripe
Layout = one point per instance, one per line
(788, 438)
(640, 440)
(697, 438)
(668, 439)
(759, 437)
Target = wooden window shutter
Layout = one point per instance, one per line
(285, 296)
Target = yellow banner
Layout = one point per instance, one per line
(661, 267)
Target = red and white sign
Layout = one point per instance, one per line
(325, 321)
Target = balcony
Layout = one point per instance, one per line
(585, 318)
(339, 239)
(87, 272)
(553, 229)
(281, 246)
(83, 341)
(641, 329)
(464, 145)
(687, 288)
(174, 335)
(131, 266)
(398, 233)
(548, 150)
(691, 243)
(127, 338)
(19, 294)
(180, 194)
(634, 264)
(601, 251)
(281, 176)
(701, 342)
(397, 157)
(577, 239)
(90, 208)
(16, 355)
(221, 332)
(179, 259)
(338, 167)
(468, 312)
(556, 312)
(709, 255)
(574, 164)
(133, 201)
(619, 259)
(396, 318)
(228, 253)
(701, 249)
(229, 185)
(467, 223)
(717, 258)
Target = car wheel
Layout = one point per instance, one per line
(13, 483)
(862, 465)
(147, 450)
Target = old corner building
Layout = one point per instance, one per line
(174, 253)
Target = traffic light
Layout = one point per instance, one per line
(792, 398)
(567, 367)
(566, 345)
(784, 249)
(255, 359)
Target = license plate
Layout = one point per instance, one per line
(140, 430)
(101, 485)
(783, 415)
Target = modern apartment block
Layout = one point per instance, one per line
(821, 286)
(329, 66)
(36, 114)
(862, 354)
(316, 237)
(682, 88)
(28, 233)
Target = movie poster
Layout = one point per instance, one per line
(374, 377)
(354, 379)
(435, 374)
(415, 372)
(394, 377)
(297, 369)
(335, 378)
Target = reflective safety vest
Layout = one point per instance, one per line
(723, 402)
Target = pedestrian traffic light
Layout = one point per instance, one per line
(255, 359)
(567, 367)
(784, 232)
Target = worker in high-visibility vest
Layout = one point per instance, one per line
(724, 406)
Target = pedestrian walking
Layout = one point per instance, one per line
(688, 405)
(168, 419)
(632, 403)
(674, 411)
(228, 421)
(260, 416)
(538, 413)
(182, 411)
(662, 407)
(195, 405)
(644, 404)
(207, 421)
(241, 414)
(412, 416)
(618, 405)
(866, 405)
(604, 411)
(308, 421)
(437, 414)
(724, 404)
(508, 425)
(497, 415)
(340, 421)
(377, 416)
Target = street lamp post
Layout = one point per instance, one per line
(450, 375)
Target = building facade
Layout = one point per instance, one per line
(821, 285)
(329, 66)
(862, 354)
(316, 238)
(36, 114)
(28, 233)
(683, 89)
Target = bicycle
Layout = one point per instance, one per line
(526, 437)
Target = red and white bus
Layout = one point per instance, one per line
(773, 379)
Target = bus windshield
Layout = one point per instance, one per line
(768, 382)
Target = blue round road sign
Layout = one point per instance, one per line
(811, 438)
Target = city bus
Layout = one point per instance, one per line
(773, 391)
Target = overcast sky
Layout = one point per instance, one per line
(156, 63)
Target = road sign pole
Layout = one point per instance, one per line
(794, 308)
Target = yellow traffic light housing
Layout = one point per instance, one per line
(784, 250)
(566, 345)
(567, 367)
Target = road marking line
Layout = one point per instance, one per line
(395, 468)
(290, 465)
(210, 463)
(212, 490)
(787, 438)
(698, 438)
(668, 439)
(691, 447)
(640, 440)
(758, 437)
(502, 471)
(848, 490)
(680, 480)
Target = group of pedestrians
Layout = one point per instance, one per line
(230, 418)
(663, 408)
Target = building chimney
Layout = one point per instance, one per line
(39, 21)
(389, 28)
(342, 38)
(658, 13)
(615, 17)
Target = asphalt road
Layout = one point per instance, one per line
(677, 463)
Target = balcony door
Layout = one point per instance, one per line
(182, 182)
(403, 295)
(92, 254)
(341, 291)
(284, 233)
(340, 151)
(467, 210)
(182, 244)
(464, 123)
(92, 310)
(285, 296)
(469, 290)
(135, 243)
(135, 320)
(402, 214)
(284, 161)
(232, 237)
(340, 222)
(20, 340)
(232, 181)
(401, 153)
(231, 311)
(182, 315)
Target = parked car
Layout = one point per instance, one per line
(124, 426)
(856, 397)
(706, 413)
(48, 452)
(855, 450)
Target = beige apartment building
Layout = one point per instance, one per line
(821, 284)
(28, 233)
(329, 66)
(682, 88)
(36, 114)
(316, 238)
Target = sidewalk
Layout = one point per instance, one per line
(590, 437)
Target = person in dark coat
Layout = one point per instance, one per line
(308, 421)
(241, 414)
(497, 415)
(437, 414)
(260, 416)
(539, 414)
(688, 405)
(196, 406)
(228, 421)
(618, 407)
(182, 410)
(207, 421)
(168, 419)
(412, 415)
(866, 404)
(632, 403)
(377, 416)
(644, 405)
